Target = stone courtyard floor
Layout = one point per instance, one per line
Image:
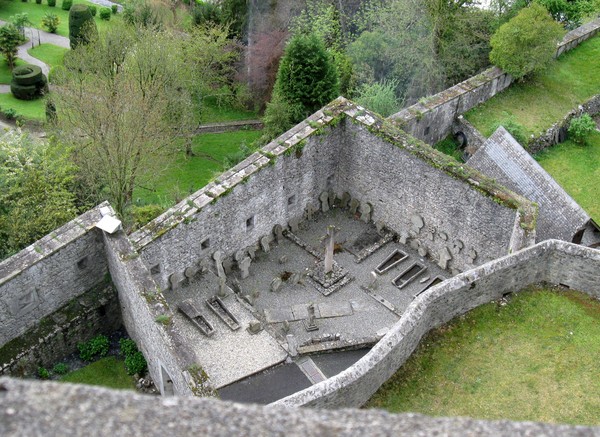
(277, 294)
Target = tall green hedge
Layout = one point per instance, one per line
(82, 26)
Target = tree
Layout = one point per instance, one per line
(527, 43)
(307, 78)
(379, 97)
(10, 39)
(36, 184)
(123, 102)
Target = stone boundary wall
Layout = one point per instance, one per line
(431, 119)
(229, 126)
(552, 261)
(147, 317)
(285, 179)
(94, 312)
(557, 133)
(32, 408)
(45, 276)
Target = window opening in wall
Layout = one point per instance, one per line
(82, 263)
(292, 199)
(249, 223)
(155, 270)
(205, 244)
(427, 130)
(166, 388)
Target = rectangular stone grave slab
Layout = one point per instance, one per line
(408, 275)
(433, 281)
(199, 320)
(391, 261)
(217, 306)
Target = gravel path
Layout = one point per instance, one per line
(37, 37)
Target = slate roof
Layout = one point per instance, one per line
(504, 159)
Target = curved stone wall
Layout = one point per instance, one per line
(551, 261)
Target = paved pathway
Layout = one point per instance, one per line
(37, 37)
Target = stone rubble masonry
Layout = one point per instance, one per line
(30, 408)
(552, 261)
(341, 148)
(431, 118)
(45, 276)
(142, 306)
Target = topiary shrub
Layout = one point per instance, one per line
(28, 82)
(82, 27)
(66, 5)
(581, 127)
(114, 9)
(105, 14)
(93, 10)
(51, 3)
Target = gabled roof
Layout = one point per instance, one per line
(504, 159)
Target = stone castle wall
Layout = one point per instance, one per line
(146, 316)
(330, 154)
(431, 119)
(552, 261)
(45, 276)
(440, 215)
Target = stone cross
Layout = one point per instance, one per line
(324, 198)
(328, 263)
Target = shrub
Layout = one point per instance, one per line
(66, 5)
(60, 369)
(527, 43)
(93, 10)
(94, 347)
(307, 78)
(82, 27)
(134, 359)
(379, 97)
(515, 129)
(28, 82)
(114, 9)
(39, 2)
(105, 14)
(10, 39)
(10, 113)
(50, 22)
(43, 373)
(581, 127)
(51, 3)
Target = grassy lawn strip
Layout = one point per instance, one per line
(106, 372)
(577, 169)
(214, 113)
(5, 72)
(188, 174)
(36, 12)
(30, 109)
(49, 54)
(546, 98)
(533, 359)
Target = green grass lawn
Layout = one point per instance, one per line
(188, 174)
(542, 101)
(213, 113)
(106, 372)
(29, 109)
(577, 169)
(49, 54)
(5, 72)
(533, 359)
(449, 147)
(9, 8)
